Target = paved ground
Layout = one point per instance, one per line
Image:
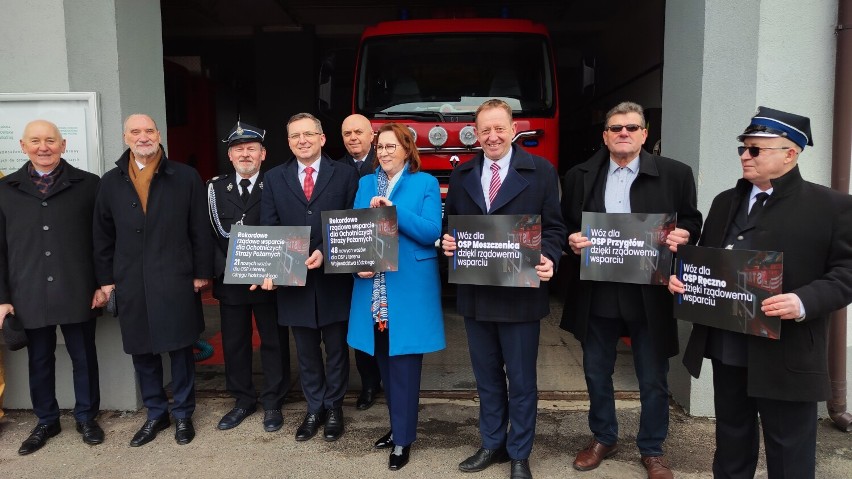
(447, 434)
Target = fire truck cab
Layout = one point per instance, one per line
(431, 75)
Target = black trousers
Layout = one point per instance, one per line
(80, 343)
(149, 372)
(789, 430)
(324, 381)
(237, 348)
(368, 369)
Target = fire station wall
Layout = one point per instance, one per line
(114, 48)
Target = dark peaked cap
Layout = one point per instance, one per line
(776, 123)
(244, 133)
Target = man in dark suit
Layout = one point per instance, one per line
(624, 178)
(47, 278)
(358, 140)
(153, 250)
(294, 194)
(502, 324)
(235, 199)
(773, 209)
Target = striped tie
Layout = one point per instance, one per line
(495, 184)
(309, 182)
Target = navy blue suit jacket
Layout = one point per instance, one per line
(531, 187)
(325, 298)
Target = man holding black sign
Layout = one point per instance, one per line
(624, 178)
(295, 194)
(503, 324)
(235, 199)
(773, 209)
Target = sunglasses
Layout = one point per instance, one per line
(754, 151)
(617, 128)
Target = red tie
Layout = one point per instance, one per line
(494, 187)
(309, 182)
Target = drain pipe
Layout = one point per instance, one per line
(840, 162)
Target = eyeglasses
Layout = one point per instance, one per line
(632, 128)
(309, 135)
(754, 151)
(390, 148)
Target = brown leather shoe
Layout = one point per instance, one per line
(591, 457)
(657, 467)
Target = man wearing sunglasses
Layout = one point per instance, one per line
(779, 380)
(624, 178)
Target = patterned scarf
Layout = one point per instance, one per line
(44, 182)
(379, 306)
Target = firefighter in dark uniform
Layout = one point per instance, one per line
(234, 198)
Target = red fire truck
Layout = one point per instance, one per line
(431, 75)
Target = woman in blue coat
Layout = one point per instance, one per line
(396, 316)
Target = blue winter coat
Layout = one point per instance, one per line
(415, 318)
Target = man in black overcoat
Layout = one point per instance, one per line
(358, 140)
(235, 199)
(295, 194)
(624, 178)
(772, 208)
(503, 324)
(47, 277)
(153, 250)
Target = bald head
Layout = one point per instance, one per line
(43, 144)
(357, 135)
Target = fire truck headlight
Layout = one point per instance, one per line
(413, 133)
(467, 136)
(438, 136)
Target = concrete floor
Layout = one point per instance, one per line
(448, 372)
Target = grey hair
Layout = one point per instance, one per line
(624, 108)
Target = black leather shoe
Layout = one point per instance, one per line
(366, 399)
(398, 458)
(234, 418)
(91, 431)
(520, 469)
(310, 426)
(149, 430)
(385, 441)
(484, 458)
(184, 431)
(333, 425)
(38, 437)
(272, 420)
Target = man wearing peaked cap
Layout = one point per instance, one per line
(772, 208)
(232, 199)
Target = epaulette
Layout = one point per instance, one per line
(216, 178)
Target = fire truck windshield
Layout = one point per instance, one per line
(452, 74)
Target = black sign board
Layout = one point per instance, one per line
(724, 288)
(627, 247)
(497, 250)
(277, 252)
(361, 240)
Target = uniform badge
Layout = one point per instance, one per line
(239, 129)
(260, 185)
(230, 187)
